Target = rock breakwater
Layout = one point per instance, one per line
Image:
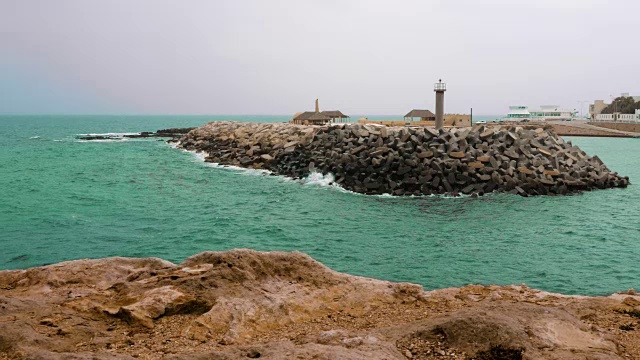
(173, 133)
(374, 159)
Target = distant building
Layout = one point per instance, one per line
(311, 118)
(635, 98)
(544, 113)
(618, 117)
(552, 112)
(596, 108)
(518, 113)
(422, 115)
(318, 117)
(336, 115)
(459, 120)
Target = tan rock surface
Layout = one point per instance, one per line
(245, 304)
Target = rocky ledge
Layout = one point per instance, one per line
(373, 159)
(245, 304)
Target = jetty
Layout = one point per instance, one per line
(376, 159)
(585, 128)
(172, 133)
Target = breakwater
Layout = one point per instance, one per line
(374, 159)
(173, 133)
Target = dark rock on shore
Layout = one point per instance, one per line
(373, 159)
(173, 133)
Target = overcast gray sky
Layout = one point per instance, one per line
(277, 57)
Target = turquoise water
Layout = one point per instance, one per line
(62, 199)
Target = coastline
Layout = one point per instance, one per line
(243, 303)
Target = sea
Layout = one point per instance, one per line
(62, 198)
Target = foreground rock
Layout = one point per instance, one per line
(245, 304)
(373, 159)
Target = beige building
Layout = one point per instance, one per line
(421, 115)
(459, 120)
(450, 120)
(596, 108)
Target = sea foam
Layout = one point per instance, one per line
(103, 140)
(113, 134)
(313, 179)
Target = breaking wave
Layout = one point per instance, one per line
(313, 179)
(103, 140)
(112, 134)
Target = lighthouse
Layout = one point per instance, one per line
(439, 88)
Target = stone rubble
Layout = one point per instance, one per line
(374, 159)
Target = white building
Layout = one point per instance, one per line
(544, 113)
(618, 117)
(518, 113)
(553, 112)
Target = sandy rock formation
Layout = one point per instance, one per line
(374, 159)
(245, 304)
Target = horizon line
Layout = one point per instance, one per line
(177, 114)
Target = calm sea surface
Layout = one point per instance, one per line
(63, 199)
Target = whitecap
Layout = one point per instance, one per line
(256, 172)
(103, 140)
(314, 178)
(111, 134)
(319, 179)
(424, 196)
(199, 155)
(228, 167)
(324, 180)
(35, 137)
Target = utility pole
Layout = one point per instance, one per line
(581, 103)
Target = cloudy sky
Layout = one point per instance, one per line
(278, 56)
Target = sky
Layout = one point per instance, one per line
(277, 56)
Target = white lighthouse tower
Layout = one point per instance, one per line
(439, 88)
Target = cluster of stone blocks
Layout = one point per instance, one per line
(374, 159)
